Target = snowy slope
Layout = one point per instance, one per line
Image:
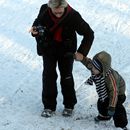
(21, 68)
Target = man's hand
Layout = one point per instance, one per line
(33, 31)
(78, 56)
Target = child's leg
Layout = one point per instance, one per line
(120, 117)
(103, 107)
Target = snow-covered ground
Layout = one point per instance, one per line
(21, 68)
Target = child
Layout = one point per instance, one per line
(110, 87)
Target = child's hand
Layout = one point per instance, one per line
(111, 111)
(78, 56)
(89, 82)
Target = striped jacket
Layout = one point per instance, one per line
(114, 82)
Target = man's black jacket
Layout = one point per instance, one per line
(71, 23)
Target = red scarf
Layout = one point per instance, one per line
(58, 31)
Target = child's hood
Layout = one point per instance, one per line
(105, 60)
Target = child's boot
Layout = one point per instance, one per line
(102, 118)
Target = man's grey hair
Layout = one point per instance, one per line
(57, 3)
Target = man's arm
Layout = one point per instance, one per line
(84, 30)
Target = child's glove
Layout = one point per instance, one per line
(89, 81)
(111, 111)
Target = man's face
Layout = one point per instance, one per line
(58, 12)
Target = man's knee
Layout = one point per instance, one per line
(67, 81)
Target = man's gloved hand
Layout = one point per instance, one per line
(111, 111)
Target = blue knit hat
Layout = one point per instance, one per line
(97, 64)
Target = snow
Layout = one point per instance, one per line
(21, 68)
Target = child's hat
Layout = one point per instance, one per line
(97, 64)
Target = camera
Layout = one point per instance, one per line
(40, 29)
(42, 36)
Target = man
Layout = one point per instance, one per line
(55, 32)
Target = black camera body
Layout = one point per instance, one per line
(42, 37)
(40, 29)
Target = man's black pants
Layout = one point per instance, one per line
(65, 65)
